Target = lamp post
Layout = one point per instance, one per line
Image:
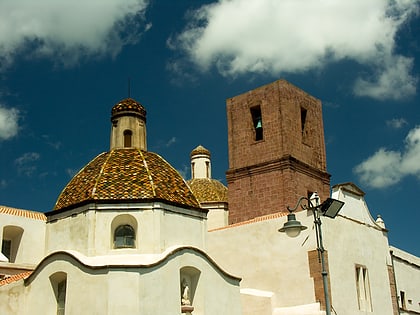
(292, 227)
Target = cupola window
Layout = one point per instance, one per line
(128, 135)
(124, 237)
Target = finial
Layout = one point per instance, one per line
(129, 87)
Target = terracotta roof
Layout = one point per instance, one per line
(14, 278)
(127, 174)
(128, 106)
(208, 190)
(254, 220)
(200, 150)
(23, 213)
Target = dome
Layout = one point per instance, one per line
(200, 150)
(128, 107)
(208, 190)
(126, 175)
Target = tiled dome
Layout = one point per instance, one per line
(127, 175)
(208, 190)
(128, 106)
(200, 150)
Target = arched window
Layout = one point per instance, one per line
(124, 236)
(127, 138)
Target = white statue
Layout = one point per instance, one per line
(185, 298)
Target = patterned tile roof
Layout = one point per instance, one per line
(127, 106)
(14, 278)
(200, 150)
(23, 213)
(208, 190)
(127, 174)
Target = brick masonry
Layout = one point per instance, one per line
(393, 289)
(267, 175)
(315, 269)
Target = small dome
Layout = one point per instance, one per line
(126, 175)
(200, 150)
(208, 190)
(128, 107)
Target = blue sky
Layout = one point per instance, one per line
(63, 66)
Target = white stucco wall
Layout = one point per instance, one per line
(31, 245)
(407, 275)
(268, 262)
(109, 287)
(353, 238)
(159, 226)
(271, 262)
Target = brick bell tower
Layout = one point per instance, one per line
(276, 150)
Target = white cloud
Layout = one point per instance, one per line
(396, 123)
(273, 36)
(170, 142)
(9, 118)
(26, 163)
(67, 30)
(393, 81)
(3, 183)
(386, 167)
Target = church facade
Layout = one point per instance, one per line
(128, 235)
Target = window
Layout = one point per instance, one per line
(61, 297)
(207, 169)
(124, 236)
(59, 285)
(402, 297)
(257, 122)
(127, 138)
(6, 248)
(303, 113)
(10, 243)
(363, 289)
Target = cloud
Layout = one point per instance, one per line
(3, 184)
(396, 123)
(184, 172)
(386, 167)
(26, 163)
(289, 36)
(71, 172)
(393, 81)
(67, 30)
(170, 142)
(9, 118)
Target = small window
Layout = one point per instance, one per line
(127, 138)
(207, 169)
(10, 245)
(363, 289)
(303, 113)
(402, 297)
(257, 122)
(124, 237)
(59, 285)
(61, 297)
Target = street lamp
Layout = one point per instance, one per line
(292, 227)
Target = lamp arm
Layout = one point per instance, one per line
(299, 203)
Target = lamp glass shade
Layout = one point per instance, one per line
(292, 227)
(331, 207)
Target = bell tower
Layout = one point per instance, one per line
(128, 130)
(276, 150)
